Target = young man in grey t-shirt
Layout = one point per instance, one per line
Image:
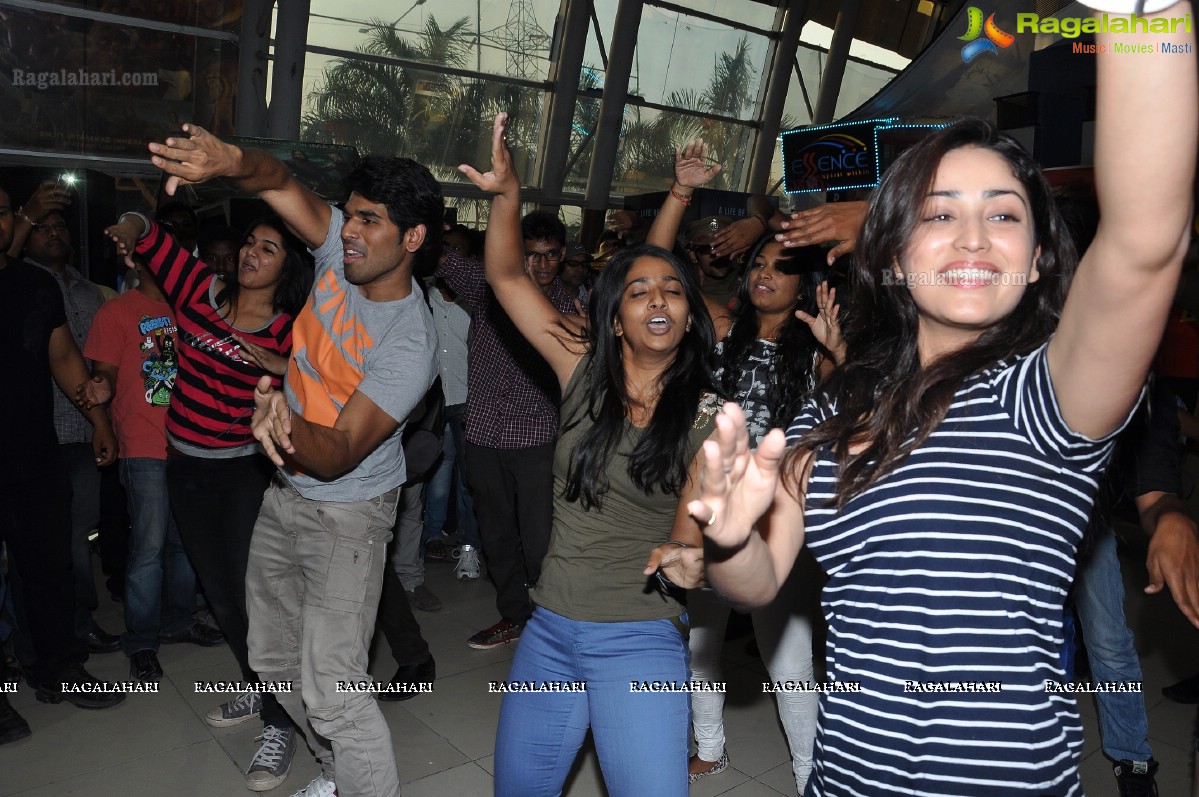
(363, 356)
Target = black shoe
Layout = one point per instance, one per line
(1185, 691)
(200, 634)
(100, 641)
(144, 666)
(12, 725)
(84, 689)
(409, 679)
(1136, 779)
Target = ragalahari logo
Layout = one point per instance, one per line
(995, 38)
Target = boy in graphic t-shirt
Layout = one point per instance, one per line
(133, 345)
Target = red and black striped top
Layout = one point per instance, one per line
(213, 399)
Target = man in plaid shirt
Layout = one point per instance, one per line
(511, 425)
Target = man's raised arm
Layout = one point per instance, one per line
(201, 156)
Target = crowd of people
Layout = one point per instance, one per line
(899, 440)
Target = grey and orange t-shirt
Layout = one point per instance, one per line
(341, 343)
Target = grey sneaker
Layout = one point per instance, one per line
(468, 562)
(269, 766)
(245, 706)
(421, 598)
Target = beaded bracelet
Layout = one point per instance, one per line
(686, 200)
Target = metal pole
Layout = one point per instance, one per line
(611, 113)
(287, 79)
(838, 54)
(249, 115)
(562, 103)
(776, 96)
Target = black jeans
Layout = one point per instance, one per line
(513, 490)
(35, 526)
(216, 502)
(396, 621)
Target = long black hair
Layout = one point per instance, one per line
(661, 457)
(295, 281)
(794, 362)
(884, 397)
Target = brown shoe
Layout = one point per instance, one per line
(501, 633)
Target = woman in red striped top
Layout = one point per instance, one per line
(231, 332)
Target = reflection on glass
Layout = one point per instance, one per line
(437, 119)
(497, 37)
(645, 156)
(687, 62)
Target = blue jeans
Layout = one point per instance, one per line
(1099, 599)
(450, 475)
(160, 585)
(641, 737)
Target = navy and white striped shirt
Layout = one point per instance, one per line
(951, 572)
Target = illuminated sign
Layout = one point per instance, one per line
(830, 157)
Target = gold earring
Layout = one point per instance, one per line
(688, 329)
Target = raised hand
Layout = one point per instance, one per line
(738, 237)
(690, 165)
(835, 221)
(49, 196)
(271, 423)
(198, 157)
(502, 178)
(826, 325)
(736, 484)
(126, 233)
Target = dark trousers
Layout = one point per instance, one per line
(114, 530)
(215, 503)
(513, 490)
(35, 526)
(396, 621)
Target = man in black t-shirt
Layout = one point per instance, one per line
(36, 345)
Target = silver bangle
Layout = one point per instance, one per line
(145, 222)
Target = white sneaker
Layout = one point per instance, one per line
(245, 706)
(468, 562)
(321, 787)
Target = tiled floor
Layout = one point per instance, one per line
(159, 744)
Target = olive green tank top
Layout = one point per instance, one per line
(592, 571)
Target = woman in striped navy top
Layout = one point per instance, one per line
(944, 475)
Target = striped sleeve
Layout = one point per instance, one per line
(182, 276)
(1025, 391)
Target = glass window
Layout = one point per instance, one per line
(78, 85)
(224, 15)
(747, 12)
(645, 157)
(498, 37)
(688, 62)
(437, 119)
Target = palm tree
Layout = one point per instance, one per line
(391, 109)
(443, 120)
